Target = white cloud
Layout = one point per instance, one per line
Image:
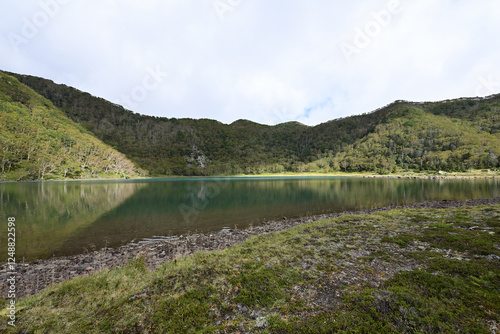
(266, 61)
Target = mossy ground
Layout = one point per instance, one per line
(401, 271)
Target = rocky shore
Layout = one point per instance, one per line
(33, 277)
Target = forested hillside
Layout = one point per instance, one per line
(38, 141)
(448, 135)
(416, 140)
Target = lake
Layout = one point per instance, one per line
(66, 218)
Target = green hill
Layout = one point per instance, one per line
(38, 141)
(203, 147)
(418, 140)
(449, 135)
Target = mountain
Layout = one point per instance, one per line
(38, 141)
(416, 139)
(448, 135)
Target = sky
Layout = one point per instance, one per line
(268, 61)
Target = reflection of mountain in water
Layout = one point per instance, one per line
(198, 205)
(48, 214)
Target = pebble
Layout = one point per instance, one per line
(261, 322)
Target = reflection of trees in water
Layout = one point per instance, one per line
(70, 216)
(49, 213)
(375, 191)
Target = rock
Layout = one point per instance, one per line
(261, 322)
(139, 296)
(254, 315)
(242, 308)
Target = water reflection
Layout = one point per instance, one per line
(48, 214)
(66, 218)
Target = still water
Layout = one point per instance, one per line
(65, 218)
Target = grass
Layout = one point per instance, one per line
(402, 271)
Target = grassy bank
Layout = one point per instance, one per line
(412, 270)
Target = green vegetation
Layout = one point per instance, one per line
(39, 142)
(453, 136)
(343, 274)
(417, 140)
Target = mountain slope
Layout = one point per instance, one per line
(203, 147)
(484, 113)
(206, 147)
(38, 141)
(418, 140)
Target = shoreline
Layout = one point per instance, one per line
(447, 176)
(406, 175)
(34, 276)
